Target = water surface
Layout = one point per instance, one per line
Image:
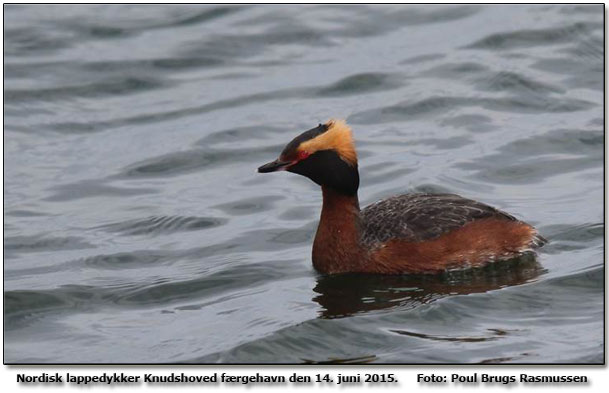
(136, 228)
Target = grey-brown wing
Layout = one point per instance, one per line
(418, 217)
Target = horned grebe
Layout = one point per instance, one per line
(411, 233)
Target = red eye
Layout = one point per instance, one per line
(302, 155)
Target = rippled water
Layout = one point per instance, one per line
(136, 228)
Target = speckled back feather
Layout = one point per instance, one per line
(418, 217)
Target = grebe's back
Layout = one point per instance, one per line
(420, 217)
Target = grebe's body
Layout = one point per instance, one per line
(412, 233)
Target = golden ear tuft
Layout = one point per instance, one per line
(338, 137)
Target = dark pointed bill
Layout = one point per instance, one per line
(275, 166)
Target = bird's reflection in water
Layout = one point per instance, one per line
(347, 294)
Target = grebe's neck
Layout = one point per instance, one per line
(335, 201)
(336, 248)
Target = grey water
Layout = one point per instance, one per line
(137, 231)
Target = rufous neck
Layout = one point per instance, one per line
(336, 201)
(336, 247)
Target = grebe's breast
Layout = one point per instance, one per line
(421, 217)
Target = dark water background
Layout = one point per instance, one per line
(136, 228)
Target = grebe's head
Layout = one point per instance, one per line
(324, 154)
